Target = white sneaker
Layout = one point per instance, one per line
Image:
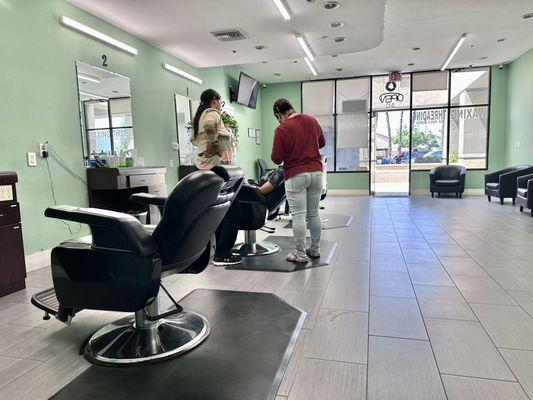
(294, 256)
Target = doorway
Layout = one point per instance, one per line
(391, 143)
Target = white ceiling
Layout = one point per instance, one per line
(380, 33)
(108, 84)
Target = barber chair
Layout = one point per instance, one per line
(256, 209)
(262, 167)
(524, 192)
(121, 267)
(502, 183)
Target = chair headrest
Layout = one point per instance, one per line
(232, 174)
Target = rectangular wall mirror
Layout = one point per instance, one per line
(105, 109)
(185, 110)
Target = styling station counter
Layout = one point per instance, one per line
(12, 263)
(111, 188)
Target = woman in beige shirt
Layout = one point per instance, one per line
(215, 143)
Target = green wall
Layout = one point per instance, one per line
(38, 100)
(520, 111)
(419, 179)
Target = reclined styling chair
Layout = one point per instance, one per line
(256, 208)
(121, 267)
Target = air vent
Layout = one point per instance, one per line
(229, 35)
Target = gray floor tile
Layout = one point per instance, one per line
(521, 363)
(353, 270)
(463, 348)
(508, 326)
(396, 317)
(429, 275)
(328, 380)
(310, 279)
(462, 266)
(294, 363)
(306, 300)
(461, 388)
(402, 369)
(345, 294)
(525, 299)
(13, 368)
(443, 302)
(339, 336)
(512, 278)
(480, 289)
(391, 284)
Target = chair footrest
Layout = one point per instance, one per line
(47, 301)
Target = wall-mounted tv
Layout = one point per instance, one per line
(248, 91)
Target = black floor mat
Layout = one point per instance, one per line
(331, 221)
(244, 357)
(277, 261)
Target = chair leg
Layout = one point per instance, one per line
(514, 200)
(501, 201)
(488, 197)
(432, 194)
(532, 213)
(460, 195)
(521, 208)
(456, 195)
(438, 194)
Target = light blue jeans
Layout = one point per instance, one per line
(303, 193)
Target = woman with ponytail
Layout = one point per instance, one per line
(215, 147)
(215, 143)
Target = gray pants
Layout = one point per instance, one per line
(303, 193)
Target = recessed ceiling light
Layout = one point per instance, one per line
(340, 39)
(295, 61)
(336, 24)
(233, 51)
(324, 37)
(264, 62)
(334, 55)
(276, 74)
(410, 64)
(415, 48)
(528, 15)
(331, 5)
(502, 40)
(260, 47)
(483, 58)
(338, 69)
(310, 1)
(115, 91)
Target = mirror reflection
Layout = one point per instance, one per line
(105, 105)
(185, 108)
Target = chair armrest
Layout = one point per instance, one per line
(529, 189)
(508, 180)
(148, 199)
(432, 175)
(111, 230)
(494, 177)
(522, 181)
(250, 194)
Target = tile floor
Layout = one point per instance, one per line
(425, 299)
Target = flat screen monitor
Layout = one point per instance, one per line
(248, 91)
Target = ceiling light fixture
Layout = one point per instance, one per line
(502, 40)
(483, 58)
(410, 64)
(89, 78)
(336, 24)
(415, 48)
(182, 73)
(338, 69)
(340, 39)
(305, 47)
(97, 35)
(455, 50)
(283, 9)
(276, 74)
(260, 47)
(310, 66)
(528, 15)
(331, 5)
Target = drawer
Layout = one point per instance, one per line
(9, 214)
(159, 190)
(143, 180)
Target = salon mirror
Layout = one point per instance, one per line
(105, 109)
(185, 110)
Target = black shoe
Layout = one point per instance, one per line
(228, 260)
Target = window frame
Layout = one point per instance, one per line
(410, 109)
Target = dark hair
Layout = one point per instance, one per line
(281, 106)
(205, 102)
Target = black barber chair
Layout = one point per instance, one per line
(121, 267)
(502, 183)
(256, 208)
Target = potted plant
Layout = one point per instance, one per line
(231, 124)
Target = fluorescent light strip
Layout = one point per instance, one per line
(94, 95)
(455, 50)
(282, 9)
(305, 48)
(97, 35)
(89, 78)
(311, 68)
(184, 74)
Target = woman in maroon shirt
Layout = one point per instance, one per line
(297, 141)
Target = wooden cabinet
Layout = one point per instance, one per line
(12, 263)
(111, 188)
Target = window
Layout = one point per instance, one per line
(109, 125)
(426, 119)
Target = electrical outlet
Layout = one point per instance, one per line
(43, 151)
(171, 163)
(32, 159)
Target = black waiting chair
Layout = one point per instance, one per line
(256, 209)
(120, 269)
(502, 183)
(447, 179)
(524, 192)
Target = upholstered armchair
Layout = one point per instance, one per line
(524, 192)
(447, 179)
(502, 183)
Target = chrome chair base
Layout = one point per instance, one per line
(256, 249)
(134, 340)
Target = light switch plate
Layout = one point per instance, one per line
(6, 192)
(171, 163)
(32, 159)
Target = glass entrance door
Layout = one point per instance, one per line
(390, 173)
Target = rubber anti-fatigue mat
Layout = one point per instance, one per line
(244, 357)
(331, 221)
(277, 262)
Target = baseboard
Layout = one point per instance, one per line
(347, 192)
(38, 260)
(468, 192)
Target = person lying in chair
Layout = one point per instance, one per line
(271, 180)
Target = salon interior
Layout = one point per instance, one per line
(110, 215)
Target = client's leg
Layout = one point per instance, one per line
(315, 225)
(226, 235)
(296, 189)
